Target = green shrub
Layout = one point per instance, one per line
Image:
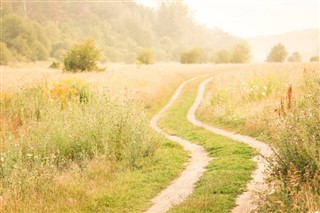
(193, 56)
(145, 56)
(278, 53)
(55, 65)
(314, 58)
(222, 57)
(82, 57)
(71, 89)
(298, 141)
(5, 54)
(241, 53)
(295, 57)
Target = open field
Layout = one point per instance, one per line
(280, 106)
(155, 106)
(84, 144)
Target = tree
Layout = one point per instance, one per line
(5, 54)
(295, 57)
(241, 53)
(192, 56)
(278, 53)
(145, 56)
(314, 58)
(82, 57)
(222, 56)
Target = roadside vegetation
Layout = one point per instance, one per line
(65, 147)
(279, 105)
(229, 171)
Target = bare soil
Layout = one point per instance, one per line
(244, 201)
(183, 186)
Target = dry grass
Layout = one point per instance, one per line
(241, 99)
(278, 103)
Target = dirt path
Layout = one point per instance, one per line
(244, 201)
(183, 186)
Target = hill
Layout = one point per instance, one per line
(306, 42)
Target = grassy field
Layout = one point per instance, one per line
(278, 104)
(68, 148)
(82, 142)
(228, 172)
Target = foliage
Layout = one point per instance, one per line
(296, 167)
(315, 58)
(71, 89)
(298, 141)
(278, 53)
(119, 36)
(55, 65)
(46, 140)
(295, 57)
(145, 56)
(26, 39)
(222, 57)
(282, 110)
(82, 57)
(5, 54)
(241, 53)
(193, 56)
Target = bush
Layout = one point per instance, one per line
(82, 57)
(192, 56)
(296, 163)
(71, 89)
(5, 54)
(315, 58)
(278, 53)
(55, 65)
(241, 53)
(222, 57)
(295, 57)
(145, 56)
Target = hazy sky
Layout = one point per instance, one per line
(254, 17)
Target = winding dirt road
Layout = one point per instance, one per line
(244, 201)
(183, 186)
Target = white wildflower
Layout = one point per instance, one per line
(263, 93)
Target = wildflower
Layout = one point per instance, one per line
(265, 87)
(29, 155)
(263, 93)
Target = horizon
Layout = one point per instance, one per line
(262, 25)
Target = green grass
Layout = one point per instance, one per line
(229, 171)
(286, 117)
(99, 155)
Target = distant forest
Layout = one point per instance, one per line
(33, 31)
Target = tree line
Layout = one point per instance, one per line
(40, 30)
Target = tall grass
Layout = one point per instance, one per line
(48, 130)
(285, 113)
(296, 167)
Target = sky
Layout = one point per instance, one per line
(248, 18)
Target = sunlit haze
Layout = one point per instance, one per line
(250, 17)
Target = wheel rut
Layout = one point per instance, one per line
(244, 202)
(183, 186)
